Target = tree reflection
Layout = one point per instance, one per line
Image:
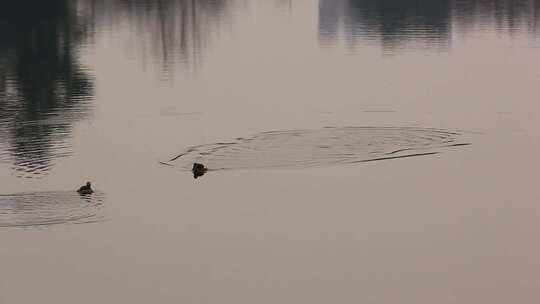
(396, 22)
(43, 87)
(170, 31)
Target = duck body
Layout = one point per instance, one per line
(86, 189)
(198, 170)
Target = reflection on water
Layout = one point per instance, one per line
(317, 147)
(43, 87)
(50, 208)
(426, 23)
(170, 32)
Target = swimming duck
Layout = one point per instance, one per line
(86, 189)
(198, 170)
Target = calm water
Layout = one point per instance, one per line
(287, 102)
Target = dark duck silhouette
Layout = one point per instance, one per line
(198, 170)
(86, 189)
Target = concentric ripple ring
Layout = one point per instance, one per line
(318, 147)
(50, 208)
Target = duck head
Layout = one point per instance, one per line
(198, 170)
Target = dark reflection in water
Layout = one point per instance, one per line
(50, 208)
(43, 87)
(171, 32)
(395, 23)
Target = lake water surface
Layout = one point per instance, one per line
(359, 151)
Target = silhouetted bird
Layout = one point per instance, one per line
(86, 189)
(198, 170)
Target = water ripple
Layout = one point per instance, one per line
(32, 146)
(318, 147)
(50, 208)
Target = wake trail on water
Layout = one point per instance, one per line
(318, 147)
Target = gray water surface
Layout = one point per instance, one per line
(103, 90)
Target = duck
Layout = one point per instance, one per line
(198, 170)
(86, 189)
